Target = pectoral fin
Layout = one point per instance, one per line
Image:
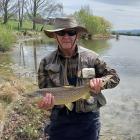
(69, 106)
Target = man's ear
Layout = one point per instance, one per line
(78, 35)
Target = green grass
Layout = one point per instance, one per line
(13, 24)
(6, 37)
(27, 25)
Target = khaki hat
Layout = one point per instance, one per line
(63, 24)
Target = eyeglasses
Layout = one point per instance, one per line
(68, 32)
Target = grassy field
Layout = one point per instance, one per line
(27, 25)
(10, 32)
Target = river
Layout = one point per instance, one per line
(120, 117)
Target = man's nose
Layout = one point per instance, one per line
(66, 35)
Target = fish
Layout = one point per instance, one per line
(64, 95)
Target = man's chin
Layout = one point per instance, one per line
(67, 44)
(67, 47)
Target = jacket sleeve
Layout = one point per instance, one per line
(109, 75)
(42, 75)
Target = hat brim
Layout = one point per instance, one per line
(51, 33)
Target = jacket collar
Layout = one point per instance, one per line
(59, 52)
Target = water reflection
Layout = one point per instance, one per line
(35, 56)
(5, 65)
(99, 46)
(21, 55)
(28, 54)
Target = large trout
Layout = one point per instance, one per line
(64, 95)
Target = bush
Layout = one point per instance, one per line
(6, 38)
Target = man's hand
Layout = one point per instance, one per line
(95, 85)
(47, 102)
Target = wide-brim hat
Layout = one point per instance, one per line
(63, 24)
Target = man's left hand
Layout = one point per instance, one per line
(95, 85)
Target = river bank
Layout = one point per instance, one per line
(21, 36)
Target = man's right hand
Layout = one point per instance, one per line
(47, 102)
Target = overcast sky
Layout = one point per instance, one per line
(123, 14)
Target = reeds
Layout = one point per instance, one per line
(2, 112)
(10, 91)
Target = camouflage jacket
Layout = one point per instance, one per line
(55, 69)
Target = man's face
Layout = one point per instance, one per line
(66, 39)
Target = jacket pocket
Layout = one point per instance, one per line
(53, 73)
(83, 106)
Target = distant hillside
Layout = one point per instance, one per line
(134, 32)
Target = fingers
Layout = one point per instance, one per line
(95, 84)
(47, 102)
(47, 99)
(40, 104)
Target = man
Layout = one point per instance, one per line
(64, 66)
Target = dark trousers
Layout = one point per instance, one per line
(73, 126)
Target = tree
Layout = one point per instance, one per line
(0, 7)
(8, 8)
(94, 24)
(44, 8)
(21, 4)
